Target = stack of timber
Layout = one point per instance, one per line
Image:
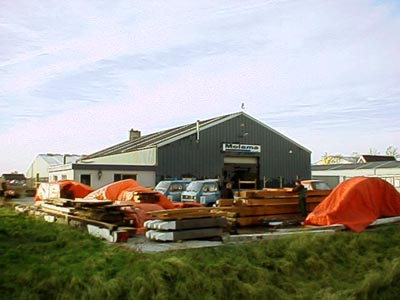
(260, 207)
(100, 218)
(185, 224)
(97, 210)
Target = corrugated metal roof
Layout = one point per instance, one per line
(360, 166)
(168, 136)
(157, 139)
(58, 159)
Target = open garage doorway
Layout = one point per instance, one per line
(240, 168)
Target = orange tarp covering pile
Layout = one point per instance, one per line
(138, 213)
(76, 189)
(356, 203)
(113, 190)
(123, 191)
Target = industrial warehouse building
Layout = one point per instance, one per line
(232, 147)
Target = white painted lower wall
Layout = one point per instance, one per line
(144, 178)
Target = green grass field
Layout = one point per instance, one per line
(39, 260)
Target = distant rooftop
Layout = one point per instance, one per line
(362, 159)
(359, 166)
(55, 159)
(373, 158)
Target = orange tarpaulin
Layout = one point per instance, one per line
(123, 191)
(113, 190)
(356, 203)
(62, 188)
(137, 213)
(128, 195)
(186, 204)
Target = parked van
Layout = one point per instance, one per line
(172, 189)
(206, 192)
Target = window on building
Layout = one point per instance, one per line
(389, 179)
(63, 177)
(85, 179)
(118, 177)
(397, 182)
(55, 177)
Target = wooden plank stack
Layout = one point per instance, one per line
(99, 210)
(259, 207)
(98, 217)
(184, 224)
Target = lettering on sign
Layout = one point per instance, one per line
(241, 148)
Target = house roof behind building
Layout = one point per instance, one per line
(372, 158)
(59, 159)
(370, 165)
(168, 136)
(336, 159)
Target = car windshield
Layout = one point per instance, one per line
(194, 186)
(321, 186)
(177, 187)
(210, 187)
(162, 186)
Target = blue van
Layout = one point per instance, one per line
(172, 189)
(206, 192)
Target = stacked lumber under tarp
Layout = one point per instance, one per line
(260, 207)
(185, 224)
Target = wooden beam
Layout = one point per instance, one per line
(185, 224)
(181, 235)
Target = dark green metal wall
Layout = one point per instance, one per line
(279, 158)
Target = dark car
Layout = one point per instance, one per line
(14, 185)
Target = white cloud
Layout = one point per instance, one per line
(76, 76)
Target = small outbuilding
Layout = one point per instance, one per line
(387, 169)
(38, 171)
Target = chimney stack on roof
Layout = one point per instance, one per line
(134, 134)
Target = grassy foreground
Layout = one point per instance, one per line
(39, 260)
